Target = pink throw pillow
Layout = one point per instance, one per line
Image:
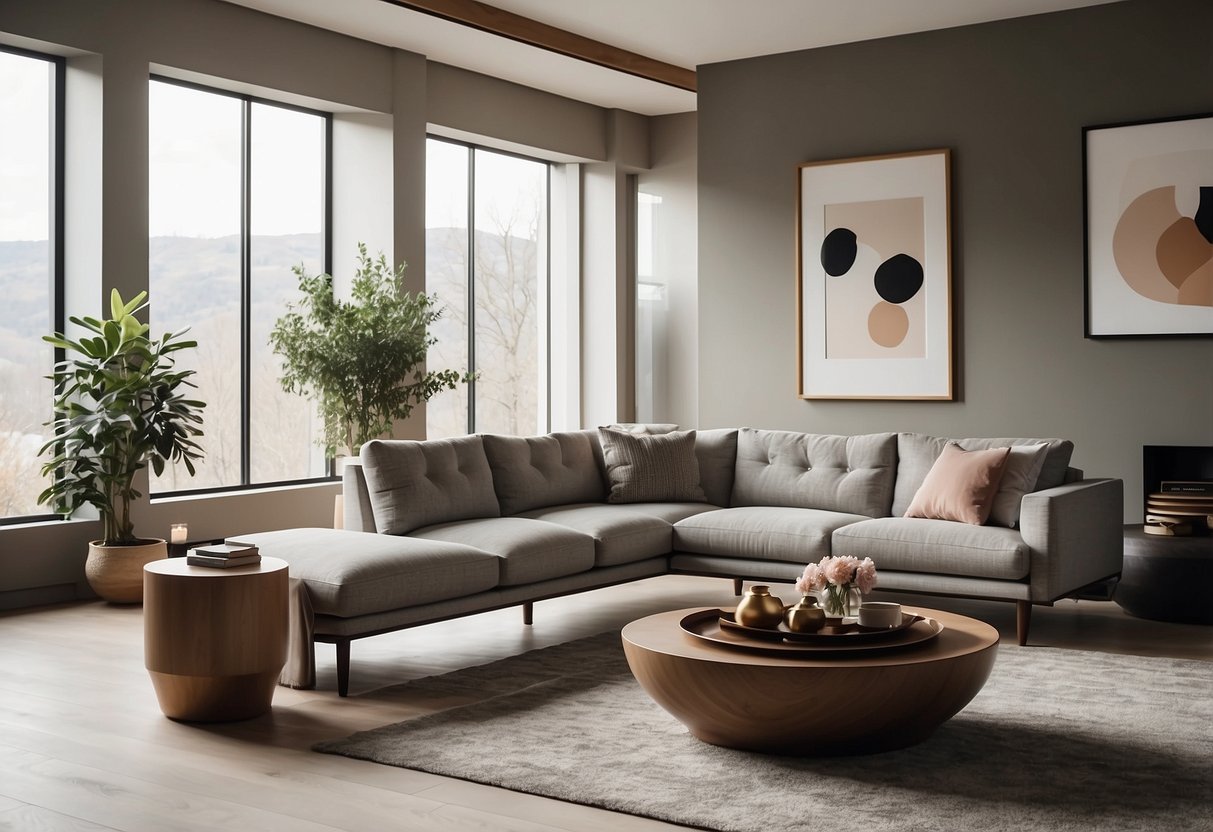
(960, 486)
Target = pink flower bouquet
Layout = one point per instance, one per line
(838, 580)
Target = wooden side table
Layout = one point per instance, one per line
(214, 640)
(1166, 578)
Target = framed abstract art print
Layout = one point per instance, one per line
(1149, 221)
(874, 306)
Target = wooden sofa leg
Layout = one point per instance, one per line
(1023, 619)
(343, 667)
(737, 584)
(528, 613)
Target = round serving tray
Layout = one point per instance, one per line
(848, 631)
(708, 625)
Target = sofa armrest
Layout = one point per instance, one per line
(1075, 532)
(357, 514)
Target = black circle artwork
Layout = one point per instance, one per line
(1203, 216)
(838, 251)
(899, 278)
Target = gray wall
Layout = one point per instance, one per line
(1010, 99)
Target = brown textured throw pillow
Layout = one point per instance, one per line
(651, 468)
(960, 485)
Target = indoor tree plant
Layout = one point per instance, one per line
(119, 403)
(362, 360)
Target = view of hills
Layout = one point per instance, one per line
(195, 283)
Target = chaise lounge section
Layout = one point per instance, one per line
(443, 528)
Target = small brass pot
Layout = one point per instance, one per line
(759, 608)
(805, 617)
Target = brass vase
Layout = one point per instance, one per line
(759, 608)
(805, 617)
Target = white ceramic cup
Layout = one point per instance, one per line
(879, 614)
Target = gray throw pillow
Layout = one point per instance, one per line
(660, 468)
(1018, 478)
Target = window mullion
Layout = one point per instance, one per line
(471, 293)
(546, 312)
(58, 202)
(246, 290)
(328, 194)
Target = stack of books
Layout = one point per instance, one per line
(1180, 508)
(223, 555)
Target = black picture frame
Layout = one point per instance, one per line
(1130, 169)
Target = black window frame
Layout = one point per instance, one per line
(57, 286)
(247, 101)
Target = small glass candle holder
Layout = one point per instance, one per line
(178, 534)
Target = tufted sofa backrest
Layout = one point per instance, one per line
(853, 474)
(404, 485)
(414, 484)
(538, 471)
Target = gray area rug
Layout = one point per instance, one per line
(1057, 740)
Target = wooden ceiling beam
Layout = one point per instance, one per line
(496, 21)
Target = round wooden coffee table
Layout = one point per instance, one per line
(214, 639)
(860, 702)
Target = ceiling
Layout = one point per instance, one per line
(687, 33)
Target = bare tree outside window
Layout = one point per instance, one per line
(195, 270)
(26, 173)
(509, 212)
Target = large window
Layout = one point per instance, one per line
(486, 260)
(238, 196)
(31, 272)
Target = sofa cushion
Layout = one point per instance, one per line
(916, 453)
(536, 471)
(852, 474)
(415, 484)
(778, 533)
(529, 550)
(651, 467)
(960, 485)
(940, 546)
(716, 451)
(669, 512)
(620, 534)
(350, 573)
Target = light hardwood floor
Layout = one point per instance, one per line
(83, 745)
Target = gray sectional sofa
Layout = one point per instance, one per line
(445, 528)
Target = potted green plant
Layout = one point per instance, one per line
(362, 360)
(119, 403)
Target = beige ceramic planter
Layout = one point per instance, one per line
(116, 572)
